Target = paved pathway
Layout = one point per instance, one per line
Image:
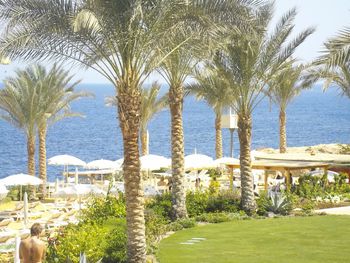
(345, 210)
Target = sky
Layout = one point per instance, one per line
(328, 16)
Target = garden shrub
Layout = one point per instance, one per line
(225, 201)
(196, 202)
(161, 205)
(99, 209)
(181, 224)
(156, 227)
(96, 241)
(88, 238)
(220, 217)
(116, 250)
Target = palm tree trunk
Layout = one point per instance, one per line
(31, 154)
(218, 137)
(247, 185)
(129, 102)
(42, 158)
(283, 133)
(177, 153)
(144, 143)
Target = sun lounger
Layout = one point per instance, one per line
(5, 222)
(6, 235)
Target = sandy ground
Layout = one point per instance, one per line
(345, 210)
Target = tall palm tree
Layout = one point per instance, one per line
(247, 64)
(19, 105)
(283, 88)
(215, 91)
(151, 104)
(55, 93)
(180, 64)
(119, 40)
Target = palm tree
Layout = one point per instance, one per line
(247, 64)
(180, 64)
(283, 88)
(19, 105)
(215, 91)
(337, 50)
(55, 93)
(151, 104)
(118, 39)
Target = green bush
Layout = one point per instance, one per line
(96, 241)
(88, 238)
(181, 224)
(196, 202)
(99, 209)
(116, 250)
(161, 205)
(225, 201)
(187, 222)
(156, 227)
(204, 202)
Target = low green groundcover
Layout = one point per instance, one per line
(288, 239)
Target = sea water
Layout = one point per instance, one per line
(315, 117)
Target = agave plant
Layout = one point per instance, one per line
(279, 204)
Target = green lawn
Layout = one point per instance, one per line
(295, 240)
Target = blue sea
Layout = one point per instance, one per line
(315, 117)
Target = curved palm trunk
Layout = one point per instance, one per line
(177, 153)
(31, 154)
(247, 186)
(144, 142)
(283, 133)
(129, 116)
(218, 136)
(42, 158)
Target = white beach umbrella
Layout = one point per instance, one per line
(25, 209)
(102, 164)
(198, 161)
(20, 179)
(66, 160)
(226, 160)
(154, 162)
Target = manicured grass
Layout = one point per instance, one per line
(289, 239)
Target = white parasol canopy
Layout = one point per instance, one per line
(154, 162)
(226, 160)
(102, 164)
(66, 160)
(198, 161)
(21, 179)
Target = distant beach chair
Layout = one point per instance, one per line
(6, 235)
(5, 222)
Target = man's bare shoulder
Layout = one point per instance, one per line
(31, 240)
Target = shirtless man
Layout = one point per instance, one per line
(32, 250)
